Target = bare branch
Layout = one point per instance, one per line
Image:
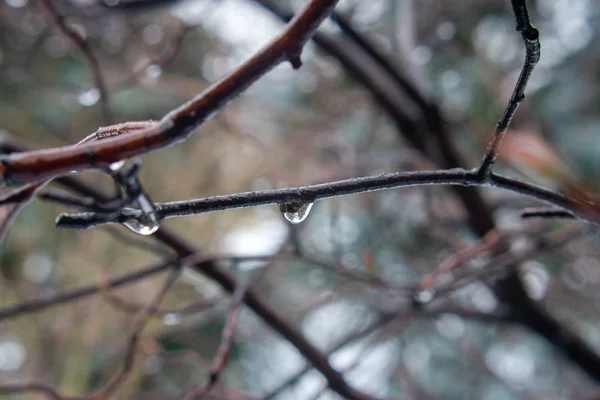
(312, 193)
(82, 44)
(138, 325)
(223, 351)
(531, 38)
(45, 301)
(22, 388)
(180, 123)
(545, 212)
(114, 383)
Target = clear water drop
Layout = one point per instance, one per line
(144, 221)
(141, 227)
(295, 211)
(424, 296)
(147, 222)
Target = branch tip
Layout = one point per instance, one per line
(296, 61)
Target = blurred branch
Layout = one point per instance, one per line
(380, 323)
(354, 275)
(119, 378)
(83, 45)
(178, 124)
(49, 300)
(128, 307)
(478, 211)
(23, 388)
(138, 325)
(209, 269)
(504, 263)
(223, 350)
(350, 338)
(199, 259)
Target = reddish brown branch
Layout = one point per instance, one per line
(176, 125)
(209, 269)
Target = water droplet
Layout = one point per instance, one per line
(146, 223)
(295, 211)
(89, 97)
(424, 296)
(141, 227)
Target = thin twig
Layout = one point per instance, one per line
(307, 194)
(350, 338)
(531, 38)
(30, 387)
(546, 213)
(83, 45)
(225, 345)
(44, 301)
(177, 125)
(355, 275)
(196, 306)
(138, 325)
(128, 361)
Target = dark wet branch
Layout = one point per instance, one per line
(545, 212)
(531, 38)
(312, 193)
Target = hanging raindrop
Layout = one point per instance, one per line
(139, 227)
(142, 226)
(147, 222)
(295, 211)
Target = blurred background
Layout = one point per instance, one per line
(295, 128)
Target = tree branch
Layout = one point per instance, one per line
(82, 44)
(178, 124)
(312, 193)
(531, 38)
